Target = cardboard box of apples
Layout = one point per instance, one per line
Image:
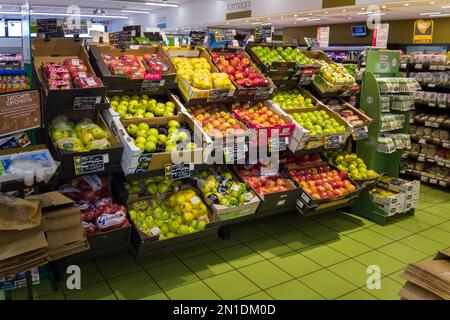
(315, 126)
(249, 82)
(198, 79)
(126, 71)
(354, 117)
(173, 219)
(149, 143)
(64, 72)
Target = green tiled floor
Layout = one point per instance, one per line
(283, 257)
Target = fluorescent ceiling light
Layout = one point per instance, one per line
(302, 19)
(440, 15)
(76, 15)
(372, 13)
(9, 12)
(256, 23)
(267, 24)
(315, 19)
(161, 4)
(134, 11)
(430, 13)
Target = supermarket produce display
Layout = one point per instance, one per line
(127, 133)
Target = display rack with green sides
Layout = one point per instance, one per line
(380, 65)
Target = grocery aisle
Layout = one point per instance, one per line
(324, 257)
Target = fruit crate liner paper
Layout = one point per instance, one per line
(19, 214)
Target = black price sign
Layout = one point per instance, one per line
(178, 171)
(150, 85)
(360, 133)
(218, 95)
(47, 26)
(263, 34)
(332, 141)
(235, 154)
(197, 38)
(86, 103)
(263, 93)
(90, 164)
(213, 198)
(278, 144)
(153, 36)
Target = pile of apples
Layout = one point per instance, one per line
(141, 106)
(152, 186)
(162, 138)
(222, 188)
(263, 184)
(197, 72)
(322, 182)
(318, 122)
(258, 114)
(239, 69)
(302, 160)
(292, 99)
(335, 74)
(130, 66)
(270, 55)
(180, 214)
(350, 163)
(216, 121)
(81, 137)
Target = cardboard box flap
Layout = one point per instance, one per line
(410, 291)
(65, 221)
(17, 246)
(62, 212)
(52, 199)
(65, 236)
(19, 214)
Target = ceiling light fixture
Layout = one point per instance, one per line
(344, 10)
(269, 18)
(296, 15)
(432, 2)
(162, 4)
(383, 7)
(254, 23)
(266, 24)
(447, 6)
(363, 8)
(439, 15)
(302, 19)
(315, 19)
(282, 17)
(75, 15)
(310, 14)
(406, 4)
(135, 11)
(430, 13)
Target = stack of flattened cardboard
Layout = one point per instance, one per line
(62, 225)
(23, 244)
(428, 280)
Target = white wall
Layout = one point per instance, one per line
(10, 43)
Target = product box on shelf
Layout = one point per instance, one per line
(279, 198)
(88, 94)
(250, 83)
(302, 138)
(410, 189)
(135, 160)
(220, 186)
(75, 163)
(392, 203)
(193, 95)
(131, 105)
(144, 243)
(123, 82)
(248, 113)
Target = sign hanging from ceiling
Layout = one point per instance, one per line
(380, 35)
(238, 9)
(323, 36)
(423, 31)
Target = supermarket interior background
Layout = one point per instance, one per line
(349, 100)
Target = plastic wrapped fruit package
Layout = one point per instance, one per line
(92, 196)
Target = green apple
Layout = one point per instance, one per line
(87, 137)
(171, 148)
(56, 135)
(132, 129)
(149, 115)
(114, 105)
(131, 109)
(134, 97)
(174, 226)
(124, 103)
(128, 116)
(115, 98)
(143, 126)
(141, 140)
(150, 146)
(159, 109)
(163, 188)
(152, 139)
(153, 132)
(201, 225)
(144, 97)
(125, 98)
(173, 130)
(142, 133)
(182, 230)
(162, 138)
(170, 105)
(168, 113)
(140, 146)
(183, 136)
(174, 124)
(140, 111)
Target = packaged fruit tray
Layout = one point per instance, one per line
(151, 144)
(281, 62)
(84, 146)
(275, 190)
(126, 71)
(321, 128)
(175, 219)
(217, 122)
(62, 67)
(135, 105)
(264, 118)
(228, 196)
(323, 187)
(249, 82)
(199, 80)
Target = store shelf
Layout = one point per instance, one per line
(423, 158)
(20, 72)
(426, 177)
(432, 105)
(424, 140)
(430, 124)
(435, 87)
(417, 67)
